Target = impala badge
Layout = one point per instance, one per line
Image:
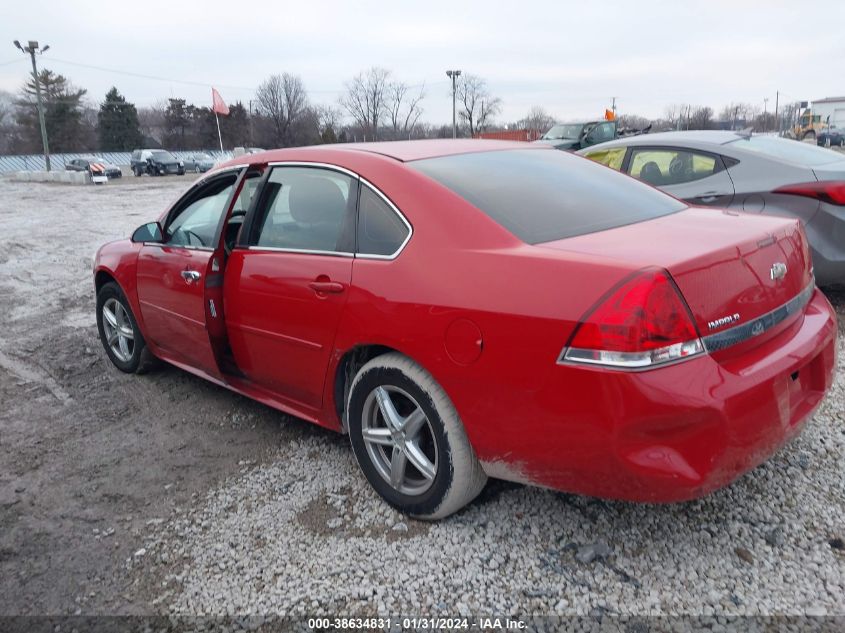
(778, 271)
(725, 320)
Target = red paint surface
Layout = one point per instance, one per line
(666, 434)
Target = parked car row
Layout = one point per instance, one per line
(465, 309)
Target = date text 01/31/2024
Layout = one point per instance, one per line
(416, 623)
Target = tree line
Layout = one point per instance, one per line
(374, 105)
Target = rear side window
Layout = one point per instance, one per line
(798, 153)
(380, 230)
(547, 195)
(306, 209)
(664, 167)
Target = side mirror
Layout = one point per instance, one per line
(150, 232)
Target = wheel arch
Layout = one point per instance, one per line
(351, 361)
(102, 277)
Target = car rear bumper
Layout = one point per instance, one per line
(673, 433)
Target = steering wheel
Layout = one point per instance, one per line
(191, 237)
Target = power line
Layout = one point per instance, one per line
(11, 61)
(144, 76)
(203, 84)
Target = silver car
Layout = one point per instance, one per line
(754, 173)
(199, 162)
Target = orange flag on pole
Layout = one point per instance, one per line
(609, 115)
(218, 106)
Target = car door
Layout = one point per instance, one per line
(691, 175)
(178, 277)
(287, 280)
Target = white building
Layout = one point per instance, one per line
(833, 107)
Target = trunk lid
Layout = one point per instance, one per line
(731, 267)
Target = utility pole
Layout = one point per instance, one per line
(31, 48)
(613, 107)
(453, 75)
(777, 120)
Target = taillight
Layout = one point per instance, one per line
(644, 322)
(832, 191)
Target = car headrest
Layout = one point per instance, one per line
(651, 173)
(313, 200)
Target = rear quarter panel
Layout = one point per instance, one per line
(461, 266)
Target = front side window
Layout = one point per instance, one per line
(306, 209)
(612, 157)
(602, 132)
(380, 230)
(664, 167)
(195, 223)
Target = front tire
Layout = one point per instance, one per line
(119, 332)
(409, 440)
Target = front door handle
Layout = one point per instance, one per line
(326, 287)
(190, 276)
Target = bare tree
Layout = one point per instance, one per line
(632, 122)
(678, 115)
(738, 114)
(537, 119)
(365, 99)
(701, 118)
(283, 101)
(329, 121)
(477, 105)
(403, 108)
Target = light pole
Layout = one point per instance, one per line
(765, 114)
(31, 48)
(453, 75)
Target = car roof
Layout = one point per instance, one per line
(405, 151)
(697, 137)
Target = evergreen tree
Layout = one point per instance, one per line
(62, 114)
(117, 123)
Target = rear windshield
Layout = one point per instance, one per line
(547, 195)
(784, 149)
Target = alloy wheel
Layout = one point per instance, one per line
(399, 440)
(120, 335)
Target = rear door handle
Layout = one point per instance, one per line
(326, 287)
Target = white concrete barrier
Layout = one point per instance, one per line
(65, 177)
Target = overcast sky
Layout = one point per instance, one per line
(570, 58)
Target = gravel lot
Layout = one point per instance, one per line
(165, 494)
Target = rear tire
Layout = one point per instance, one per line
(440, 473)
(119, 332)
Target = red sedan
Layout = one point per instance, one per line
(465, 309)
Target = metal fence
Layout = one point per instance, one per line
(35, 162)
